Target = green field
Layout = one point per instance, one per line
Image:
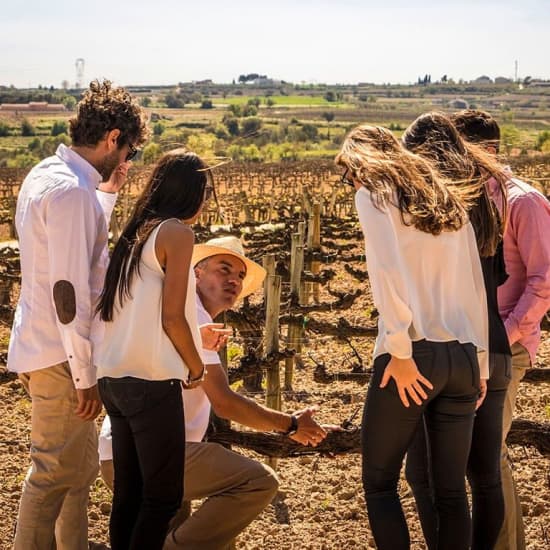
(282, 101)
(293, 124)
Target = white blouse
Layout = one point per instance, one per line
(135, 343)
(424, 286)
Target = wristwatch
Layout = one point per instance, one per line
(293, 428)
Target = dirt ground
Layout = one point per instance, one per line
(320, 504)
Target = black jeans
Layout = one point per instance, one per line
(483, 465)
(388, 428)
(148, 431)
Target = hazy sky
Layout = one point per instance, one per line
(346, 41)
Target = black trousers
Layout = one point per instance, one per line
(388, 428)
(148, 431)
(483, 465)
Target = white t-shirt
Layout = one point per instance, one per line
(196, 404)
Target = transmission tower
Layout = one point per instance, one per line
(79, 65)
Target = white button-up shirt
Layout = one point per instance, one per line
(61, 222)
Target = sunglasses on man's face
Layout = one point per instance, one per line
(131, 153)
(346, 180)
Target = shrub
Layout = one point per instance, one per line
(543, 141)
(23, 160)
(235, 110)
(250, 110)
(232, 125)
(59, 127)
(309, 132)
(151, 152)
(51, 143)
(207, 104)
(4, 129)
(35, 145)
(251, 126)
(69, 102)
(158, 129)
(27, 129)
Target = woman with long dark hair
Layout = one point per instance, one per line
(427, 285)
(151, 348)
(434, 137)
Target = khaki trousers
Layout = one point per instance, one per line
(236, 490)
(512, 534)
(64, 463)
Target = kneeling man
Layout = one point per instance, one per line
(236, 488)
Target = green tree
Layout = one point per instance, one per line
(151, 152)
(329, 117)
(330, 96)
(145, 101)
(174, 102)
(35, 145)
(51, 143)
(158, 128)
(543, 141)
(251, 125)
(69, 102)
(4, 129)
(254, 101)
(250, 110)
(59, 127)
(27, 129)
(269, 102)
(235, 110)
(207, 104)
(509, 137)
(23, 160)
(232, 125)
(309, 132)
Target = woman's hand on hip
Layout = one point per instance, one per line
(408, 380)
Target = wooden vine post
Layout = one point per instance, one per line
(294, 335)
(314, 244)
(273, 381)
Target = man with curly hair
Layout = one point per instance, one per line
(62, 217)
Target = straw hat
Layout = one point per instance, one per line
(255, 273)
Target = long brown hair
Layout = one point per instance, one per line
(392, 174)
(176, 189)
(433, 136)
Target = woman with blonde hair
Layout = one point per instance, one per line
(434, 137)
(151, 348)
(427, 285)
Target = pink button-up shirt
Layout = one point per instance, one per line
(525, 297)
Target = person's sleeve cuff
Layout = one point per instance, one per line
(398, 345)
(483, 360)
(83, 376)
(512, 330)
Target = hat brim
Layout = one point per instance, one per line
(255, 273)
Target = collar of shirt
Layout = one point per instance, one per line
(494, 188)
(80, 166)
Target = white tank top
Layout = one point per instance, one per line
(135, 343)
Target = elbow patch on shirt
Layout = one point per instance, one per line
(64, 298)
